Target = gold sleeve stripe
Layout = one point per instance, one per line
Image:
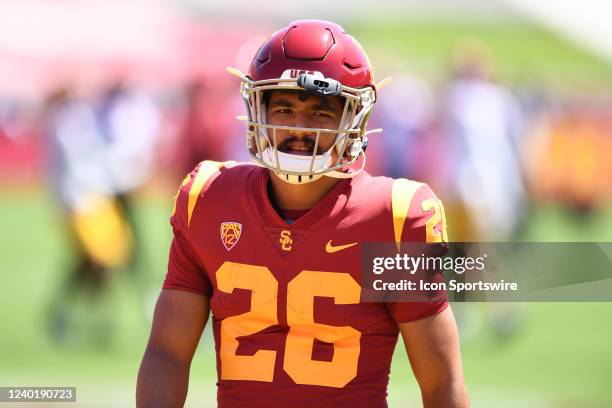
(402, 192)
(183, 183)
(207, 169)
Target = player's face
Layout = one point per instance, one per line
(298, 109)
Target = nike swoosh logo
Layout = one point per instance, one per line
(330, 249)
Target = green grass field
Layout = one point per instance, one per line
(562, 356)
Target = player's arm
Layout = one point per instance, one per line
(178, 322)
(428, 328)
(432, 345)
(181, 311)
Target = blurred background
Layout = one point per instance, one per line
(503, 107)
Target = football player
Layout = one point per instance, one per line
(273, 249)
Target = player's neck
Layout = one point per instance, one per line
(299, 196)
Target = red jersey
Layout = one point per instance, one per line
(289, 327)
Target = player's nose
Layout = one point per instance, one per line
(302, 134)
(301, 120)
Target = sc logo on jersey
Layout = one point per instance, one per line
(285, 240)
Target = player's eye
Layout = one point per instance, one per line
(282, 110)
(322, 114)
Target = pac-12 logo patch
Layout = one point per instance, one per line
(230, 234)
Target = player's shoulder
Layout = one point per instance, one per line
(406, 193)
(387, 192)
(416, 212)
(210, 179)
(207, 172)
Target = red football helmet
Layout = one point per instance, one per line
(321, 58)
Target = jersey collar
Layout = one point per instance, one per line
(325, 209)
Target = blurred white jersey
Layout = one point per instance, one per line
(131, 127)
(484, 121)
(77, 153)
(101, 152)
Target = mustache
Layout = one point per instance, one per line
(307, 140)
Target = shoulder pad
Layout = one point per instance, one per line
(402, 192)
(193, 185)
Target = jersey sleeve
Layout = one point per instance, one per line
(185, 271)
(424, 221)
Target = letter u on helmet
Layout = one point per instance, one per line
(321, 58)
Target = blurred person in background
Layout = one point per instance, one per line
(203, 132)
(193, 144)
(483, 124)
(13, 117)
(406, 114)
(18, 142)
(98, 154)
(97, 233)
(129, 122)
(567, 156)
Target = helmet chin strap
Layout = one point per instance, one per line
(297, 179)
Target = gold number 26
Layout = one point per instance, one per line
(303, 330)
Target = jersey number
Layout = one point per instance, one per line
(433, 235)
(303, 330)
